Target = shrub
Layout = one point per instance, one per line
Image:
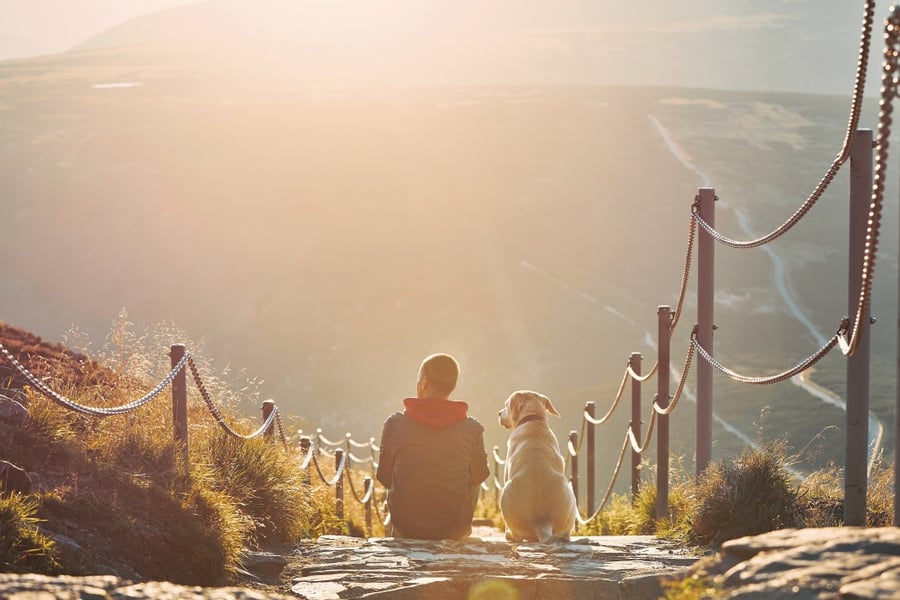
(23, 548)
(752, 494)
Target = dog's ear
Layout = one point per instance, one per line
(549, 407)
(515, 407)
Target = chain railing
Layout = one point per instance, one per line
(271, 421)
(342, 451)
(840, 159)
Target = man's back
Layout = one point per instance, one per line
(432, 474)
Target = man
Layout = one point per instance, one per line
(432, 458)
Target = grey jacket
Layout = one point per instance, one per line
(432, 474)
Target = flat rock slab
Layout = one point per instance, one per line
(627, 567)
(832, 562)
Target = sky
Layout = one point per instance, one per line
(770, 45)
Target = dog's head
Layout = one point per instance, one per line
(522, 403)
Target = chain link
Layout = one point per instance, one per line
(339, 472)
(685, 275)
(93, 410)
(889, 84)
(840, 159)
(218, 416)
(581, 520)
(681, 384)
(778, 377)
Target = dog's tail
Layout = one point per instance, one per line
(544, 532)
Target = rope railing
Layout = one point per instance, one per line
(272, 420)
(777, 377)
(96, 411)
(840, 159)
(342, 451)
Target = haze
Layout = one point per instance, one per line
(768, 45)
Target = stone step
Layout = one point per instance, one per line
(484, 566)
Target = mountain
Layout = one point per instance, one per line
(765, 45)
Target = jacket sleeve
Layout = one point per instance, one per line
(385, 471)
(478, 468)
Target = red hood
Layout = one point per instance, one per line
(435, 413)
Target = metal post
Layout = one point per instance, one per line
(634, 362)
(497, 477)
(179, 402)
(664, 318)
(573, 441)
(305, 444)
(591, 467)
(857, 441)
(706, 247)
(367, 486)
(267, 407)
(339, 485)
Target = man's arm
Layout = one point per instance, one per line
(478, 468)
(385, 472)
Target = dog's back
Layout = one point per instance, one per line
(537, 501)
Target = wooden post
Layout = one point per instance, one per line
(664, 317)
(367, 485)
(573, 441)
(635, 363)
(305, 444)
(267, 407)
(179, 403)
(857, 440)
(706, 256)
(339, 485)
(591, 467)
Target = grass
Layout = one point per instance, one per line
(117, 484)
(114, 495)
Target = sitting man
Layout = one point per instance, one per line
(432, 458)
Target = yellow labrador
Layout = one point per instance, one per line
(537, 502)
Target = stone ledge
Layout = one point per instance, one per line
(627, 567)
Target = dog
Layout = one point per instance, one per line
(537, 502)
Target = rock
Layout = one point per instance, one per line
(12, 411)
(845, 562)
(104, 587)
(265, 565)
(13, 479)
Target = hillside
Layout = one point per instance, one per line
(110, 497)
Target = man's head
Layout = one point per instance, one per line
(437, 376)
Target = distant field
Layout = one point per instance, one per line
(326, 237)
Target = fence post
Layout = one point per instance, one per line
(305, 444)
(369, 493)
(706, 271)
(339, 485)
(857, 441)
(589, 409)
(634, 362)
(267, 407)
(664, 315)
(573, 441)
(497, 477)
(179, 402)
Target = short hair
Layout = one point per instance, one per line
(442, 372)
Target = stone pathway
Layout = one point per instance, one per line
(482, 567)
